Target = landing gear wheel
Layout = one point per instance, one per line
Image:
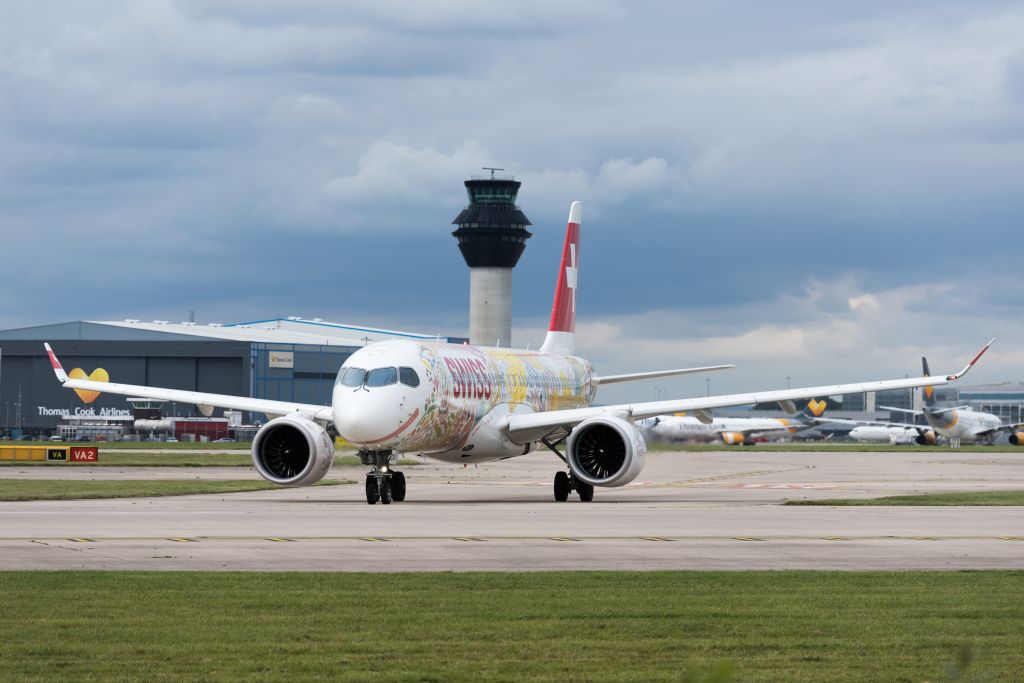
(385, 492)
(562, 487)
(397, 487)
(586, 491)
(372, 491)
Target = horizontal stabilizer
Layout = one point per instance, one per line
(612, 379)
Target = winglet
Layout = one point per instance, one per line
(58, 369)
(950, 378)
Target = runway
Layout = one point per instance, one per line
(688, 510)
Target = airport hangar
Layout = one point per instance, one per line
(287, 359)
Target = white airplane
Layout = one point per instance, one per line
(884, 433)
(961, 422)
(461, 403)
(729, 430)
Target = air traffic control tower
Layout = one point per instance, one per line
(492, 235)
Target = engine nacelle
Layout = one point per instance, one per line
(733, 438)
(926, 438)
(1017, 438)
(292, 451)
(605, 451)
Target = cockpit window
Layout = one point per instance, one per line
(408, 377)
(353, 377)
(381, 377)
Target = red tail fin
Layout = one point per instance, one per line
(561, 336)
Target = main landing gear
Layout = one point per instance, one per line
(383, 483)
(565, 482)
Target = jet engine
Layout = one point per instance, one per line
(292, 451)
(927, 438)
(605, 451)
(1017, 438)
(733, 438)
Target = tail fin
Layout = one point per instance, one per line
(561, 336)
(815, 408)
(929, 392)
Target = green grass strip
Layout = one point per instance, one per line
(573, 626)
(959, 498)
(832, 447)
(144, 445)
(67, 489)
(186, 459)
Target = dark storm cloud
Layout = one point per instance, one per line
(741, 164)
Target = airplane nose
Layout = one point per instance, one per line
(368, 417)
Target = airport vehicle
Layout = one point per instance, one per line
(729, 430)
(463, 404)
(960, 422)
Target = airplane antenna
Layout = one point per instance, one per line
(492, 170)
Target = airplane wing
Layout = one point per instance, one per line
(901, 410)
(940, 411)
(611, 379)
(205, 402)
(533, 426)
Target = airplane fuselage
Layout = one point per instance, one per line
(966, 425)
(728, 429)
(450, 401)
(883, 434)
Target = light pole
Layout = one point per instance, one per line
(787, 381)
(708, 380)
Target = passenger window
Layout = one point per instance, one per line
(381, 377)
(408, 377)
(353, 377)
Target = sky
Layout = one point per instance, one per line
(816, 192)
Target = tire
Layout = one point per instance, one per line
(586, 491)
(562, 486)
(372, 495)
(385, 492)
(397, 487)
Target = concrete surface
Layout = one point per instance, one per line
(706, 510)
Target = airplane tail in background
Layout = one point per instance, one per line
(561, 337)
(815, 408)
(929, 392)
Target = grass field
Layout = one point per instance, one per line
(836, 446)
(176, 459)
(143, 445)
(68, 489)
(664, 626)
(964, 498)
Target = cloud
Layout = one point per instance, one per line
(816, 186)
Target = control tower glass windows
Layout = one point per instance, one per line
(492, 193)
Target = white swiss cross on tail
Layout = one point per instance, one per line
(561, 336)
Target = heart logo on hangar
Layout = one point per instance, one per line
(97, 375)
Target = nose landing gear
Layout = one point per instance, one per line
(383, 484)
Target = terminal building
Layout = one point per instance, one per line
(287, 359)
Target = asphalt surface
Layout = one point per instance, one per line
(705, 510)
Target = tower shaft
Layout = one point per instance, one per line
(490, 306)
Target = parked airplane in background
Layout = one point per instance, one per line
(882, 433)
(462, 403)
(963, 422)
(730, 430)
